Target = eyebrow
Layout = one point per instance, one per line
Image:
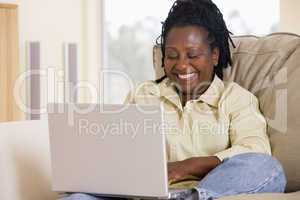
(170, 47)
(188, 47)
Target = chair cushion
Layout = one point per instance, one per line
(25, 161)
(269, 67)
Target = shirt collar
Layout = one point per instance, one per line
(211, 96)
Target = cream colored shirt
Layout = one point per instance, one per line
(224, 121)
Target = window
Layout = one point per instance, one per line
(132, 26)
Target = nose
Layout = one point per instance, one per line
(182, 63)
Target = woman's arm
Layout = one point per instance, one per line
(248, 128)
(195, 166)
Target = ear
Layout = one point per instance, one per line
(215, 54)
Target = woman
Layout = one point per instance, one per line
(217, 143)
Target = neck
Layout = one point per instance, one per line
(185, 97)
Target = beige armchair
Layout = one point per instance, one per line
(269, 67)
(25, 161)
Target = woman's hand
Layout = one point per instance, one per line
(196, 166)
(177, 171)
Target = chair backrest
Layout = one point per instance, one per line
(25, 161)
(269, 67)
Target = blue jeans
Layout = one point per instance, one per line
(242, 174)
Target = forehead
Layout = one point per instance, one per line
(187, 36)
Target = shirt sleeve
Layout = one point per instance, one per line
(247, 129)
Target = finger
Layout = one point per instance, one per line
(174, 177)
(171, 175)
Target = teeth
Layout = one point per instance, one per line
(186, 76)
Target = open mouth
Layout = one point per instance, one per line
(188, 77)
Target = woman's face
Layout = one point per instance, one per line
(189, 60)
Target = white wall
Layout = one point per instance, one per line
(290, 15)
(52, 23)
(55, 22)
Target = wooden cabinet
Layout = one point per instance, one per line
(9, 62)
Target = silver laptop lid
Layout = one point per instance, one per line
(114, 150)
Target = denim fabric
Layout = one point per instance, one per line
(242, 174)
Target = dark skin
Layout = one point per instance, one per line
(189, 62)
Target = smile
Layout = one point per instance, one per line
(188, 76)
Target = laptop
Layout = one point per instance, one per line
(109, 150)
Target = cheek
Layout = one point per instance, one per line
(168, 66)
(206, 68)
(208, 72)
(200, 65)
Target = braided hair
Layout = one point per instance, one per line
(203, 13)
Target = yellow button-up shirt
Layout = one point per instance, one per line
(224, 121)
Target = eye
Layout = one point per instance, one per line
(171, 55)
(195, 54)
